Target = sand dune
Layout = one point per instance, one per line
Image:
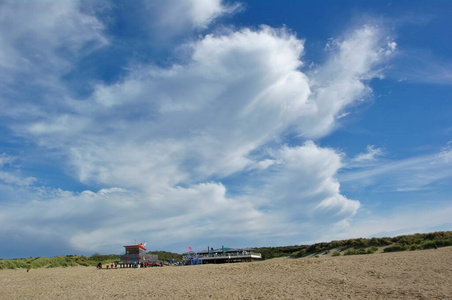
(406, 275)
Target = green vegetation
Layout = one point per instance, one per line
(74, 260)
(358, 246)
(421, 241)
(58, 261)
(355, 251)
(166, 256)
(372, 250)
(273, 252)
(395, 248)
(360, 251)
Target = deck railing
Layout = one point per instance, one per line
(229, 254)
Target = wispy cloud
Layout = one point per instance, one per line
(371, 156)
(10, 174)
(416, 173)
(398, 222)
(6, 159)
(173, 17)
(421, 66)
(342, 80)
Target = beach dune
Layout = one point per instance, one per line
(423, 274)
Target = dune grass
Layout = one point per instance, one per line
(58, 261)
(359, 246)
(418, 241)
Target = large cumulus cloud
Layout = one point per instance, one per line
(162, 142)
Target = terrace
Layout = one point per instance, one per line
(222, 255)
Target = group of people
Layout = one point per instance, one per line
(108, 266)
(115, 265)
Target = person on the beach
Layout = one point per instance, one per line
(99, 265)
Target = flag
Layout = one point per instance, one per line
(190, 249)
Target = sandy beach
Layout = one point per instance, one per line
(405, 275)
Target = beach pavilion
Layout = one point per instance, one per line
(220, 255)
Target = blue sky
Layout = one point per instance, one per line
(206, 122)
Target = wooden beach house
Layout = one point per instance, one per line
(135, 255)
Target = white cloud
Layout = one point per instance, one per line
(45, 35)
(40, 42)
(10, 178)
(174, 17)
(203, 12)
(421, 66)
(236, 93)
(303, 186)
(6, 159)
(397, 222)
(264, 164)
(10, 174)
(300, 191)
(369, 156)
(91, 221)
(160, 142)
(341, 81)
(411, 174)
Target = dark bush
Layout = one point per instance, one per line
(395, 248)
(371, 250)
(355, 252)
(300, 253)
(414, 247)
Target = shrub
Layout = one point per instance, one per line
(85, 264)
(337, 253)
(300, 253)
(395, 248)
(355, 252)
(436, 243)
(371, 250)
(429, 245)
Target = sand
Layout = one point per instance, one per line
(405, 275)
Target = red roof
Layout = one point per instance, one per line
(133, 246)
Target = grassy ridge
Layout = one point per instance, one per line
(74, 260)
(166, 256)
(411, 242)
(58, 261)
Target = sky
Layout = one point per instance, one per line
(202, 123)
